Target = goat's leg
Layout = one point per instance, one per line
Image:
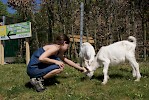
(135, 67)
(134, 74)
(105, 72)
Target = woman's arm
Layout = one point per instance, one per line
(76, 66)
(52, 50)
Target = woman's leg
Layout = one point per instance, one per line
(47, 72)
(52, 73)
(38, 75)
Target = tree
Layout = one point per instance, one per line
(3, 9)
(106, 20)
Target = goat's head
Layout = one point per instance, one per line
(89, 71)
(91, 67)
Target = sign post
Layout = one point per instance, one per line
(14, 31)
(2, 22)
(1, 53)
(27, 50)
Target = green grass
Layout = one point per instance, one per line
(73, 85)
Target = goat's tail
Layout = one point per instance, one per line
(132, 39)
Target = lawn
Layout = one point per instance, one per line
(73, 85)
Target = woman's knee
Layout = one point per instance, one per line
(56, 71)
(59, 70)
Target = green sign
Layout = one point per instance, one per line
(14, 31)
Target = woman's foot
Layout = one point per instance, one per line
(37, 83)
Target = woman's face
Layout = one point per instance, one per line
(64, 47)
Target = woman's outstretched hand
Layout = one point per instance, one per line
(83, 70)
(60, 63)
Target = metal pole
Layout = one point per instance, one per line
(81, 28)
(3, 20)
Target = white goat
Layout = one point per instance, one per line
(114, 54)
(87, 53)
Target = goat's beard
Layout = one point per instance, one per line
(90, 74)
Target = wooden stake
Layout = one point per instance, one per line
(27, 50)
(1, 53)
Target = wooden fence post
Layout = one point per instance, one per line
(27, 50)
(1, 53)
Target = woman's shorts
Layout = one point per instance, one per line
(41, 69)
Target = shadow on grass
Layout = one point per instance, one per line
(114, 75)
(28, 85)
(84, 78)
(144, 74)
(111, 76)
(51, 81)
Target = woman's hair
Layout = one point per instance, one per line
(1, 20)
(60, 39)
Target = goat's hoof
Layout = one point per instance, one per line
(137, 80)
(103, 83)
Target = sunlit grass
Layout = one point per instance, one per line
(73, 85)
